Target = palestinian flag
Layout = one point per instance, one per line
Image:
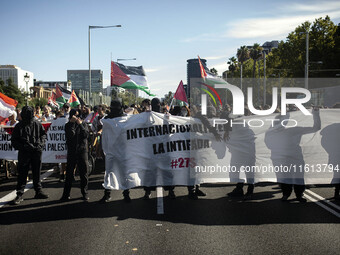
(67, 94)
(129, 77)
(60, 99)
(209, 80)
(73, 100)
(52, 100)
(208, 77)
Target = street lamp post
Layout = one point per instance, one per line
(307, 60)
(307, 57)
(264, 79)
(94, 27)
(27, 79)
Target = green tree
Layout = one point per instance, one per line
(232, 62)
(41, 102)
(242, 56)
(255, 54)
(12, 91)
(324, 45)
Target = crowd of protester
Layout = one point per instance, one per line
(29, 137)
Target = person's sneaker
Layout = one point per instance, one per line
(65, 198)
(40, 195)
(86, 197)
(17, 200)
(127, 198)
(105, 199)
(172, 194)
(200, 193)
(301, 199)
(284, 198)
(147, 195)
(237, 192)
(192, 196)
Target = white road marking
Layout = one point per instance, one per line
(323, 206)
(9, 197)
(323, 199)
(160, 205)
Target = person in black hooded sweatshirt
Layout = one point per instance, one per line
(77, 134)
(29, 139)
(116, 111)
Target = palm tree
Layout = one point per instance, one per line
(213, 71)
(232, 65)
(255, 54)
(242, 55)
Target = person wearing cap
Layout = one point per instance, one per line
(29, 139)
(77, 133)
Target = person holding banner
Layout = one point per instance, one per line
(77, 154)
(116, 111)
(12, 121)
(156, 107)
(286, 151)
(29, 139)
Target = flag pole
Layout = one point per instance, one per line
(171, 103)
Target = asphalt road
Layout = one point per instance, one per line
(211, 225)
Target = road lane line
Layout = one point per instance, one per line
(323, 206)
(160, 205)
(9, 197)
(323, 199)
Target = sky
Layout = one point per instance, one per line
(50, 37)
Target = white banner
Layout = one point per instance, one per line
(6, 149)
(55, 148)
(152, 149)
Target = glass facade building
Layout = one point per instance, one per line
(80, 80)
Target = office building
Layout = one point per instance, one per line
(17, 75)
(193, 71)
(80, 80)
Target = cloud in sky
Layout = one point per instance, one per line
(320, 6)
(215, 57)
(220, 67)
(286, 19)
(277, 28)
